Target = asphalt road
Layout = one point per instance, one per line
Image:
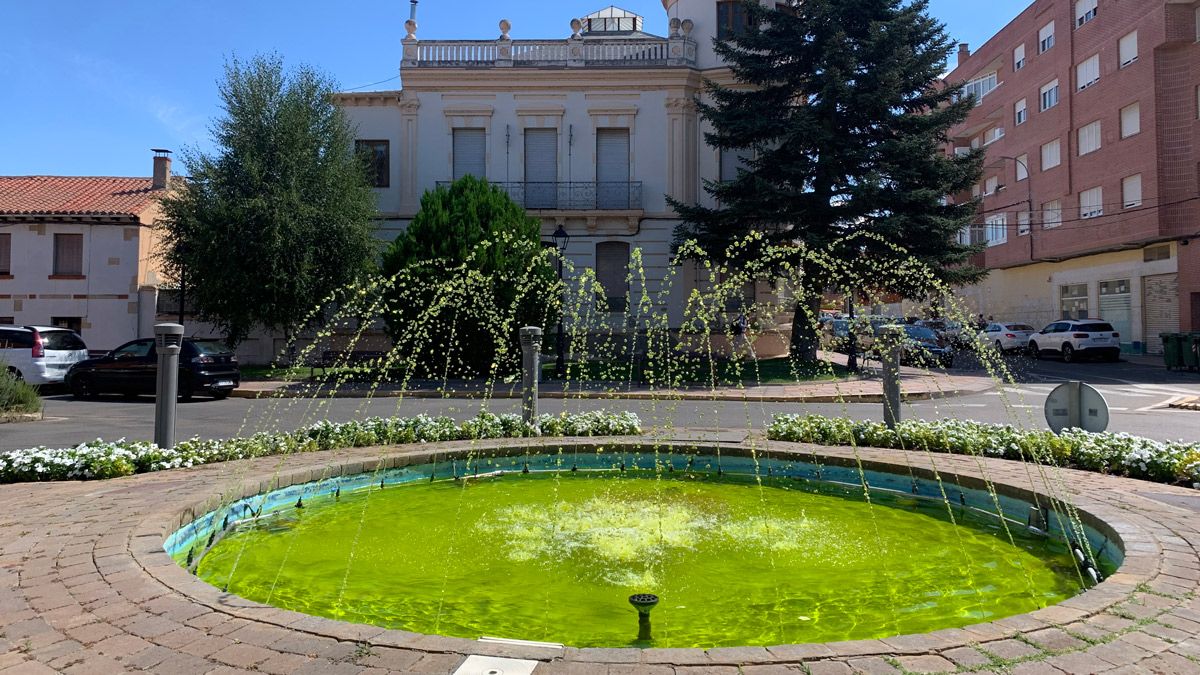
(1138, 396)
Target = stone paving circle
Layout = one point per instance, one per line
(85, 586)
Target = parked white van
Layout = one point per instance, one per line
(40, 354)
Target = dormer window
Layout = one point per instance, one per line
(731, 19)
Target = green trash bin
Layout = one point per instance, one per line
(1172, 350)
(1190, 345)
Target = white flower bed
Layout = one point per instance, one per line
(1119, 454)
(99, 459)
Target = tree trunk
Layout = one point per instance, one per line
(806, 336)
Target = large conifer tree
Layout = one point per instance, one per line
(841, 117)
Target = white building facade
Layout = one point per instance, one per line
(591, 132)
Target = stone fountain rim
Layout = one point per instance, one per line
(1134, 532)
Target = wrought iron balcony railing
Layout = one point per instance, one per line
(574, 196)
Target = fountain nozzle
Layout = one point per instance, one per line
(643, 603)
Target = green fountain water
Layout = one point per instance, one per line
(555, 558)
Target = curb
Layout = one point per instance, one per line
(16, 418)
(612, 396)
(1190, 403)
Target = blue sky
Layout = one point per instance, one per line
(87, 87)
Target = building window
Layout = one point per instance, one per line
(1128, 49)
(992, 135)
(378, 161)
(7, 321)
(1021, 112)
(612, 168)
(541, 168)
(1091, 203)
(68, 255)
(1046, 38)
(1089, 138)
(1051, 156)
(5, 254)
(1024, 223)
(612, 273)
(990, 186)
(732, 161)
(1085, 11)
(1156, 253)
(1022, 168)
(72, 323)
(1050, 95)
(981, 87)
(731, 19)
(976, 190)
(976, 142)
(470, 153)
(1051, 214)
(1074, 299)
(997, 229)
(1131, 191)
(1131, 120)
(1087, 73)
(1019, 57)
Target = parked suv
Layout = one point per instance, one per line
(205, 366)
(40, 354)
(1077, 338)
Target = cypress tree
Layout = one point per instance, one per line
(840, 116)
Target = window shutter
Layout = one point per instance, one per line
(68, 254)
(1091, 203)
(1131, 120)
(612, 168)
(5, 253)
(470, 152)
(1021, 112)
(1088, 73)
(731, 162)
(612, 271)
(541, 168)
(1085, 10)
(1051, 214)
(1128, 48)
(1046, 37)
(1022, 167)
(1051, 156)
(1019, 57)
(1089, 138)
(1131, 189)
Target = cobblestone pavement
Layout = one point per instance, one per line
(85, 587)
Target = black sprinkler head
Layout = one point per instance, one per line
(643, 602)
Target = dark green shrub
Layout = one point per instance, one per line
(16, 396)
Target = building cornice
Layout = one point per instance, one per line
(437, 80)
(368, 98)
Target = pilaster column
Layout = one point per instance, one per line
(681, 148)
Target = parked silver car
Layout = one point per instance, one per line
(40, 354)
(1007, 337)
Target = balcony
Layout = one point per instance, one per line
(604, 196)
(569, 53)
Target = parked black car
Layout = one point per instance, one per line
(205, 366)
(922, 347)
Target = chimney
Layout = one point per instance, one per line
(162, 168)
(964, 52)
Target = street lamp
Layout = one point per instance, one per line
(560, 245)
(852, 338)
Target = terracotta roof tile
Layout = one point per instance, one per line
(75, 195)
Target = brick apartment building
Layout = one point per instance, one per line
(1089, 112)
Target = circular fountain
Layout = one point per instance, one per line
(554, 546)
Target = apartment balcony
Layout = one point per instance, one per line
(574, 196)
(637, 52)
